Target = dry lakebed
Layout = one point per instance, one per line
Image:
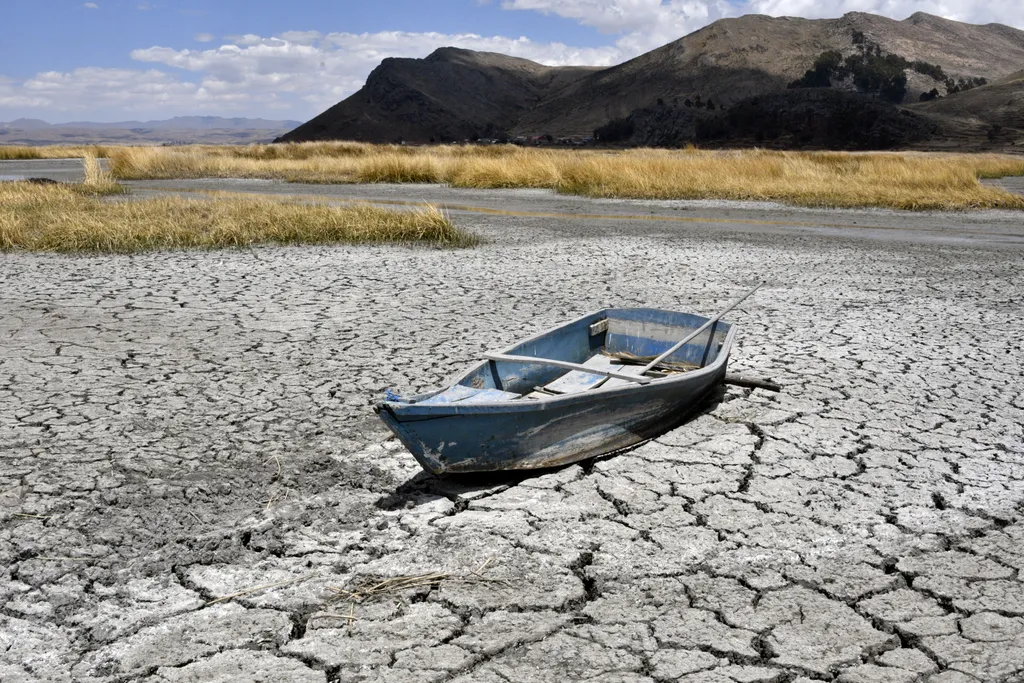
(193, 486)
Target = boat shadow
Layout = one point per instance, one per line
(424, 488)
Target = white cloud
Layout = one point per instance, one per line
(127, 93)
(296, 74)
(123, 89)
(320, 69)
(91, 5)
(12, 97)
(203, 37)
(642, 24)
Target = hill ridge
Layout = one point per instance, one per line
(455, 93)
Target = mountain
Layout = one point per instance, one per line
(180, 129)
(995, 110)
(452, 94)
(189, 123)
(26, 124)
(176, 123)
(733, 59)
(455, 94)
(816, 118)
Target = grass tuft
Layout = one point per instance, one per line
(914, 181)
(97, 181)
(389, 167)
(59, 218)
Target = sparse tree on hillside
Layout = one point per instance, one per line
(933, 70)
(895, 89)
(827, 65)
(871, 72)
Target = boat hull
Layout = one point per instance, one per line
(550, 433)
(450, 435)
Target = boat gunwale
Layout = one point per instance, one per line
(416, 411)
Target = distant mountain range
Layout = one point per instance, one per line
(924, 80)
(214, 129)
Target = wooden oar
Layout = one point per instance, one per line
(700, 329)
(683, 366)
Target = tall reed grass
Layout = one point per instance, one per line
(97, 181)
(821, 179)
(20, 152)
(60, 218)
(826, 179)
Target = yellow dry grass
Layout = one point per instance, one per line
(898, 181)
(62, 218)
(97, 181)
(827, 179)
(15, 152)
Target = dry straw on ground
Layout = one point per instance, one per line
(903, 181)
(367, 589)
(63, 218)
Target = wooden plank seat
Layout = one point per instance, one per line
(463, 394)
(577, 380)
(615, 382)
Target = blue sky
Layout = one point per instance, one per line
(111, 60)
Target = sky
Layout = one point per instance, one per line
(115, 60)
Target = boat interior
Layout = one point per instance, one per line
(610, 349)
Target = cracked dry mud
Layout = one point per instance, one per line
(190, 466)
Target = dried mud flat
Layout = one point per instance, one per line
(189, 469)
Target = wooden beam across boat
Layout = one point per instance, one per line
(565, 364)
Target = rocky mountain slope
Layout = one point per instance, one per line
(450, 95)
(733, 59)
(455, 94)
(818, 118)
(995, 109)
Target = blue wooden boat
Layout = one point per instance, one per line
(603, 382)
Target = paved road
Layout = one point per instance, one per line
(191, 473)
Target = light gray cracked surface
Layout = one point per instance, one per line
(182, 427)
